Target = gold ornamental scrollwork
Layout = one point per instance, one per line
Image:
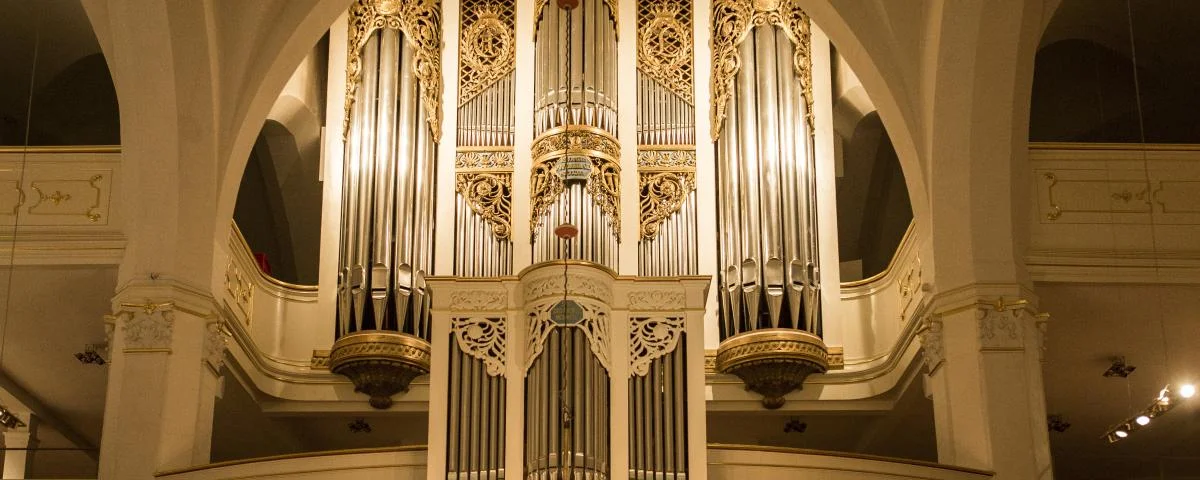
(487, 47)
(664, 44)
(732, 22)
(421, 23)
(484, 179)
(665, 179)
(604, 182)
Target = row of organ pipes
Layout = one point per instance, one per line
(766, 218)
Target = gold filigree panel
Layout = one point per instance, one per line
(484, 179)
(665, 179)
(732, 22)
(604, 182)
(487, 46)
(664, 44)
(421, 23)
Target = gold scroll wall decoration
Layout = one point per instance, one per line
(484, 179)
(487, 47)
(604, 182)
(421, 23)
(664, 44)
(732, 22)
(665, 179)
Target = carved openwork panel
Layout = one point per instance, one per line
(483, 338)
(651, 338)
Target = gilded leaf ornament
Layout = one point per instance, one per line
(484, 179)
(732, 22)
(604, 182)
(420, 22)
(665, 179)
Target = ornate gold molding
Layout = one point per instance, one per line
(665, 179)
(604, 183)
(487, 46)
(380, 363)
(664, 44)
(773, 362)
(732, 22)
(421, 23)
(484, 179)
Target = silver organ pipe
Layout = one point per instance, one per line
(769, 280)
(475, 429)
(766, 181)
(658, 416)
(484, 160)
(666, 135)
(391, 130)
(566, 410)
(575, 117)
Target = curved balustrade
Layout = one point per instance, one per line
(745, 461)
(399, 463)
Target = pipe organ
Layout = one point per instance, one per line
(575, 125)
(562, 369)
(763, 126)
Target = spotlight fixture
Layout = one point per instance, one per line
(9, 420)
(1119, 368)
(359, 426)
(89, 355)
(1167, 398)
(1056, 423)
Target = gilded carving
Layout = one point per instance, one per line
(483, 339)
(490, 196)
(604, 182)
(478, 300)
(50, 193)
(732, 22)
(216, 341)
(149, 328)
(594, 326)
(420, 22)
(651, 338)
(487, 46)
(933, 352)
(656, 300)
(577, 285)
(999, 327)
(664, 45)
(665, 179)
(239, 288)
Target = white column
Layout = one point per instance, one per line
(19, 444)
(167, 352)
(827, 229)
(984, 355)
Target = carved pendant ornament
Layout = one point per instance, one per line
(420, 21)
(483, 339)
(651, 338)
(484, 179)
(732, 22)
(666, 178)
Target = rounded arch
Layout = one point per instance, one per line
(886, 91)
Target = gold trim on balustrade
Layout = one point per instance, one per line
(1155, 147)
(908, 233)
(827, 453)
(292, 456)
(61, 149)
(263, 275)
